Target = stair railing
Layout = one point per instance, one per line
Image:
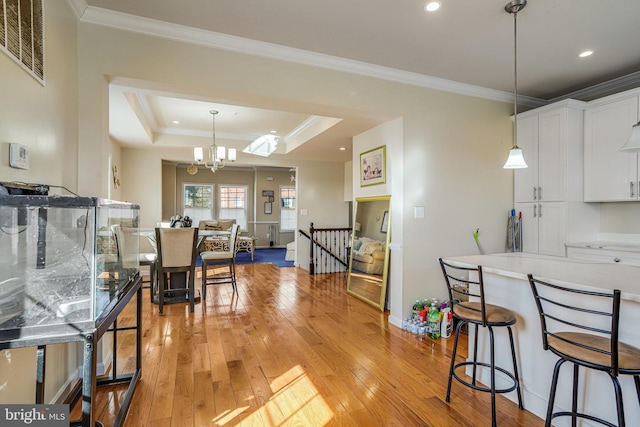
(328, 249)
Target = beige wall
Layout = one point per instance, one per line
(370, 215)
(390, 135)
(45, 120)
(205, 176)
(446, 151)
(168, 191)
(265, 228)
(256, 180)
(620, 218)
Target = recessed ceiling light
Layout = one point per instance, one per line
(176, 122)
(274, 132)
(343, 149)
(432, 6)
(585, 53)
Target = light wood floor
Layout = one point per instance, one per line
(290, 349)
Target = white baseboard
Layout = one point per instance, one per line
(66, 387)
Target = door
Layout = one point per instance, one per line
(552, 156)
(551, 228)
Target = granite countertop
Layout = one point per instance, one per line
(580, 273)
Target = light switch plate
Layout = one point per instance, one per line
(18, 156)
(418, 211)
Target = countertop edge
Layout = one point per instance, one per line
(579, 273)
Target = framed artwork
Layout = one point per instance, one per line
(267, 207)
(373, 167)
(385, 222)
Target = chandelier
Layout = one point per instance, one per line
(217, 154)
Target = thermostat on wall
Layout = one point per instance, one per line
(18, 156)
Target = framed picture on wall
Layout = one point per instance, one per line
(373, 167)
(385, 222)
(267, 207)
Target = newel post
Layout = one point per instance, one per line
(311, 245)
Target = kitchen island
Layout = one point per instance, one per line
(506, 284)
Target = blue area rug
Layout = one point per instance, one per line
(274, 256)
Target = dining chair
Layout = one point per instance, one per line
(582, 327)
(177, 252)
(128, 251)
(226, 258)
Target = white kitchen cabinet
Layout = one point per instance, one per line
(549, 193)
(549, 137)
(544, 227)
(610, 174)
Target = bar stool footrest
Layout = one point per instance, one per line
(483, 388)
(581, 415)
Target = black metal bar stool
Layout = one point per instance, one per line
(461, 285)
(584, 333)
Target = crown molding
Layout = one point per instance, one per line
(307, 130)
(78, 7)
(609, 87)
(181, 33)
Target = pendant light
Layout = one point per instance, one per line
(515, 159)
(633, 143)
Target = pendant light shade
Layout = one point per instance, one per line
(198, 154)
(515, 159)
(633, 143)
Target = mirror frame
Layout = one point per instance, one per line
(385, 272)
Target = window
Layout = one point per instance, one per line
(198, 202)
(288, 219)
(233, 204)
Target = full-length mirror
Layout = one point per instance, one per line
(369, 250)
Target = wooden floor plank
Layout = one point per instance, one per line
(290, 349)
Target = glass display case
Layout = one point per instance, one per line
(63, 262)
